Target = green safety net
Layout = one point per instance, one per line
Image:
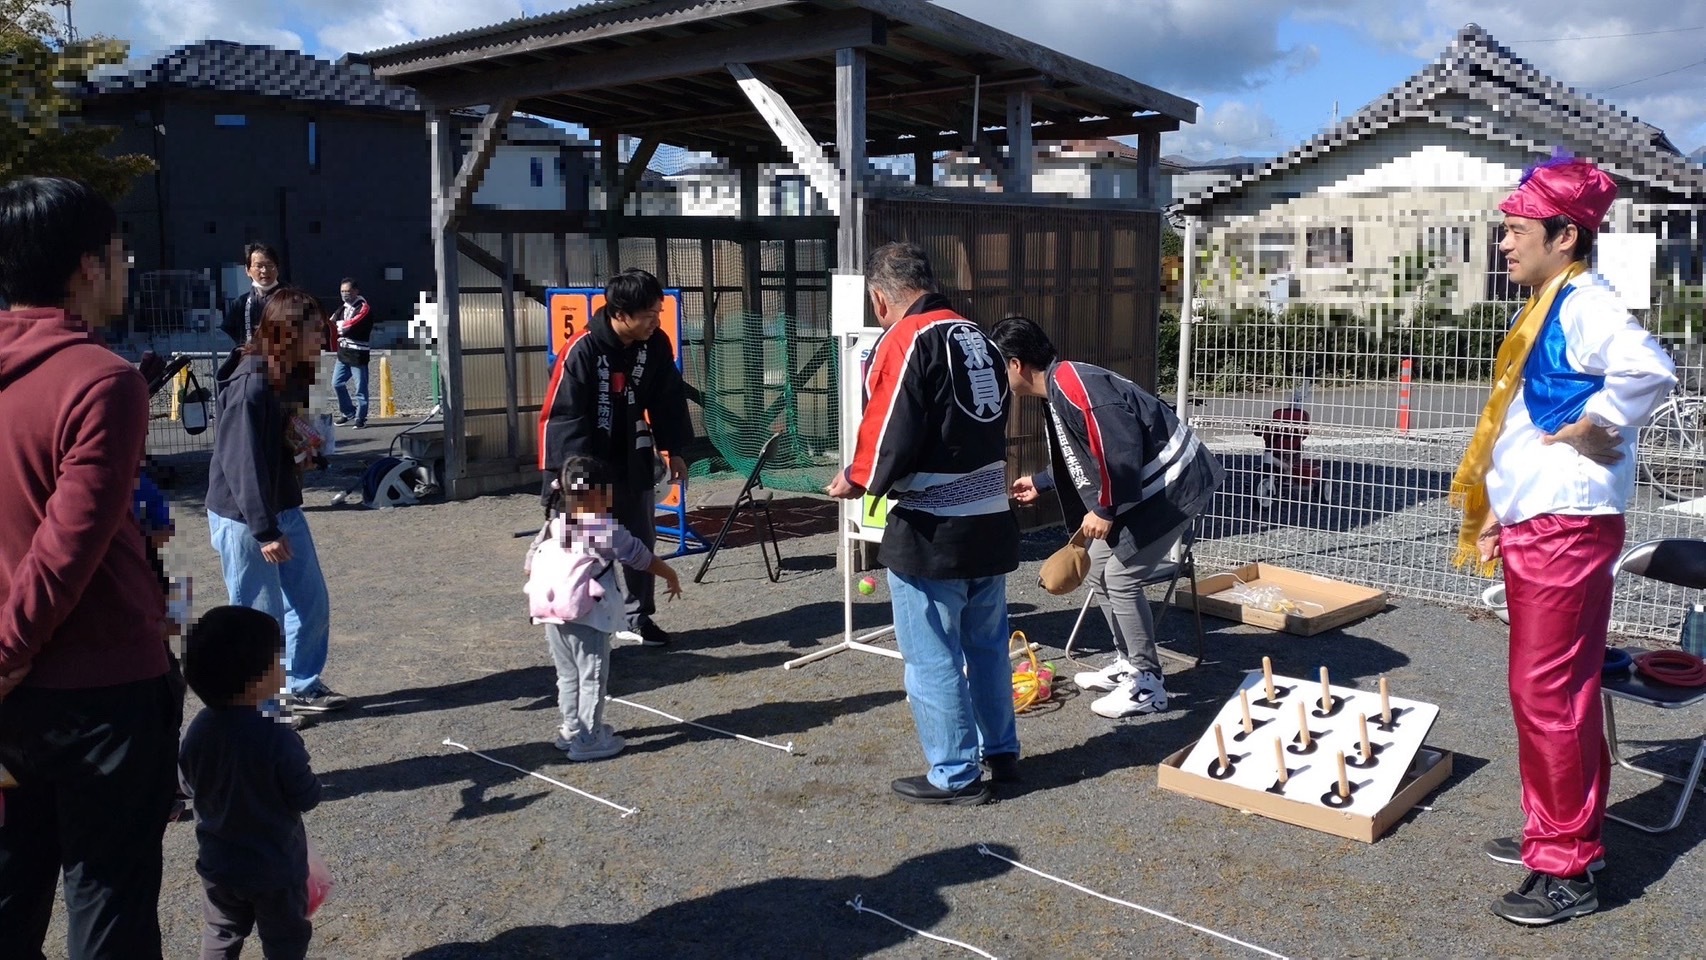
(762, 376)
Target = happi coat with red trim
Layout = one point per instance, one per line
(933, 439)
(1126, 455)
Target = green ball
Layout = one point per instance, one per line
(868, 585)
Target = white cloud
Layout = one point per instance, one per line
(358, 27)
(1231, 127)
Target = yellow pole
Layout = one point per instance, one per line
(387, 403)
(179, 382)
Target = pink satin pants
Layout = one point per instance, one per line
(1558, 573)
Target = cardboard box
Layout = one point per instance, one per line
(1431, 768)
(1340, 602)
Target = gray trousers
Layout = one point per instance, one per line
(280, 917)
(582, 656)
(635, 508)
(1118, 587)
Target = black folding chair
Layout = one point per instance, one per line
(1682, 563)
(753, 496)
(1170, 572)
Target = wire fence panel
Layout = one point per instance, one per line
(1340, 424)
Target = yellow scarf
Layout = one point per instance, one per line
(1469, 486)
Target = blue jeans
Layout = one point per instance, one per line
(293, 592)
(953, 634)
(341, 373)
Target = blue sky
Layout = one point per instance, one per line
(1267, 72)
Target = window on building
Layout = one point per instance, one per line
(1328, 247)
(230, 120)
(536, 171)
(1276, 251)
(313, 146)
(791, 198)
(1447, 244)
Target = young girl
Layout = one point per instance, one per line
(571, 588)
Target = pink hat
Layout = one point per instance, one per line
(1563, 185)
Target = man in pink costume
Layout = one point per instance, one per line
(1578, 378)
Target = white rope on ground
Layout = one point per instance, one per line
(984, 849)
(858, 905)
(785, 748)
(626, 811)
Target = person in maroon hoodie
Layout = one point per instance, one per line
(88, 716)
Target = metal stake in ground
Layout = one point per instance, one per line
(785, 748)
(626, 811)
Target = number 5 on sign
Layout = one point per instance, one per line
(874, 512)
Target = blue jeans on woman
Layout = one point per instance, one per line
(959, 680)
(293, 592)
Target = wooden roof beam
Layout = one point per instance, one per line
(810, 36)
(804, 148)
(1042, 133)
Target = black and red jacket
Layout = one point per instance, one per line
(1125, 455)
(355, 329)
(601, 395)
(934, 440)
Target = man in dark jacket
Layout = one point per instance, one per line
(933, 439)
(243, 314)
(88, 716)
(355, 326)
(616, 375)
(1139, 478)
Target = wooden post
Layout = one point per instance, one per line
(1385, 704)
(1220, 745)
(1326, 693)
(1021, 151)
(512, 412)
(1279, 755)
(924, 168)
(1268, 677)
(1149, 168)
(1344, 778)
(442, 134)
(1302, 726)
(850, 149)
(1362, 731)
(1244, 704)
(752, 325)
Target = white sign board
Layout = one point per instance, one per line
(846, 303)
(1626, 261)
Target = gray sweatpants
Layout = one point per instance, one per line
(582, 656)
(1119, 590)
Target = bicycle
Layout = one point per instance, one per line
(1672, 448)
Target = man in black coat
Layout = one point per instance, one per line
(617, 395)
(243, 314)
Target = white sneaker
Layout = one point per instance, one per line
(1107, 678)
(601, 743)
(1141, 694)
(627, 636)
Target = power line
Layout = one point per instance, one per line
(1686, 66)
(1608, 36)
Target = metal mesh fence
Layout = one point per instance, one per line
(1341, 422)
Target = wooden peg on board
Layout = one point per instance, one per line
(1326, 693)
(1362, 730)
(1344, 778)
(1302, 726)
(1385, 704)
(1268, 677)
(1220, 745)
(1244, 704)
(1279, 755)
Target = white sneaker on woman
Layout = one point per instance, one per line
(597, 745)
(1136, 695)
(1107, 678)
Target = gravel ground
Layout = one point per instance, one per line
(741, 851)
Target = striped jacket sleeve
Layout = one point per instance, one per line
(569, 415)
(894, 425)
(1097, 433)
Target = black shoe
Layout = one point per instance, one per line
(1509, 850)
(322, 700)
(921, 790)
(652, 635)
(1544, 899)
(1003, 767)
(340, 419)
(361, 424)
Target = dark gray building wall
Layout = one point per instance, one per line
(354, 205)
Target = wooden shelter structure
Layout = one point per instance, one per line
(825, 85)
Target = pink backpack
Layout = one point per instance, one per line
(563, 574)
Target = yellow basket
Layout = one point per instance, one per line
(1033, 686)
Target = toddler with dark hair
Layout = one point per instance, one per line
(251, 782)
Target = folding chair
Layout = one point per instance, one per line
(1681, 563)
(1182, 564)
(748, 501)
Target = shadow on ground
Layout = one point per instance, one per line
(787, 917)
